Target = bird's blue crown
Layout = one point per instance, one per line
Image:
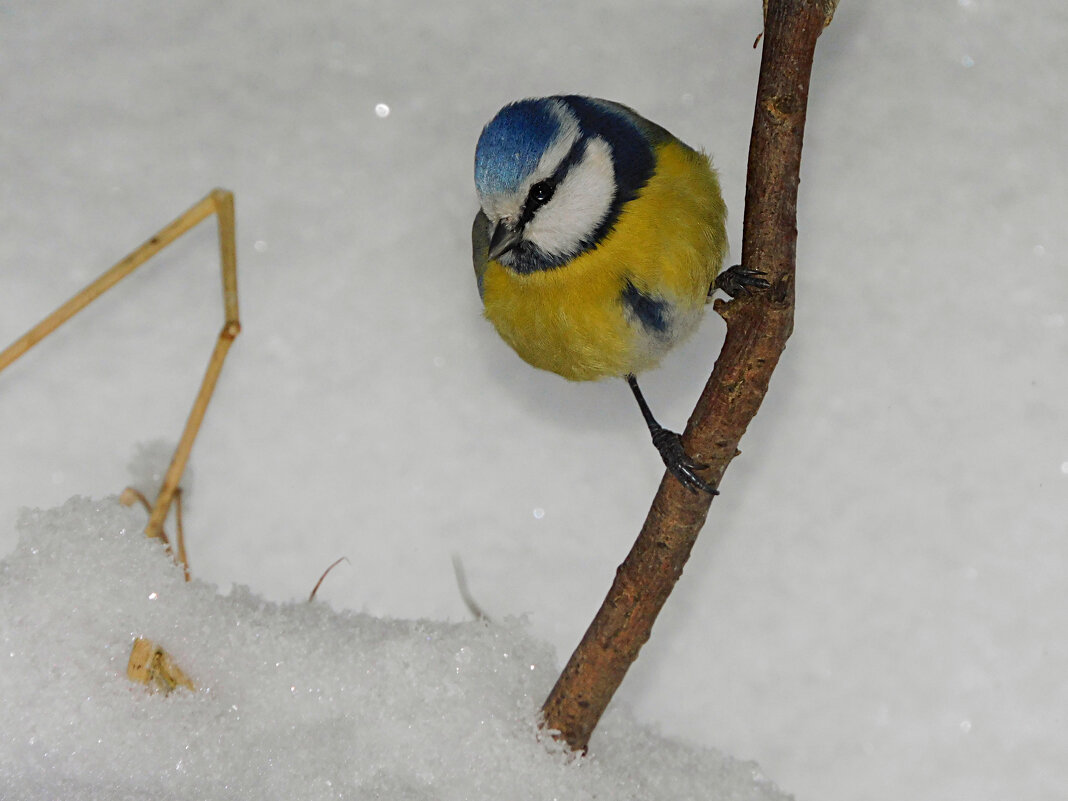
(512, 143)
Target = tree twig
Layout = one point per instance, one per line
(757, 329)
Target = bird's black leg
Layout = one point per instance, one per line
(739, 280)
(681, 465)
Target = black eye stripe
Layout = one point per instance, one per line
(542, 192)
(538, 195)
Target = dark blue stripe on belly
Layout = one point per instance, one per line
(652, 313)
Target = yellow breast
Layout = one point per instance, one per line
(667, 245)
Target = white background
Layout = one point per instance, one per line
(877, 606)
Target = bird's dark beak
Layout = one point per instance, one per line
(503, 239)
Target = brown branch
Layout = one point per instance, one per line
(757, 329)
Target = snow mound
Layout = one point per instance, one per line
(293, 701)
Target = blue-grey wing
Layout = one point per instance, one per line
(480, 238)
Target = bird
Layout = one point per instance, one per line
(599, 240)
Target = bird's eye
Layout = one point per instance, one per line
(541, 193)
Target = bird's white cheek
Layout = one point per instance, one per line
(579, 205)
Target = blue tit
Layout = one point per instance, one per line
(599, 240)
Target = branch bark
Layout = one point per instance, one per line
(757, 329)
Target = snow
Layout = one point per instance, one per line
(292, 700)
(876, 607)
